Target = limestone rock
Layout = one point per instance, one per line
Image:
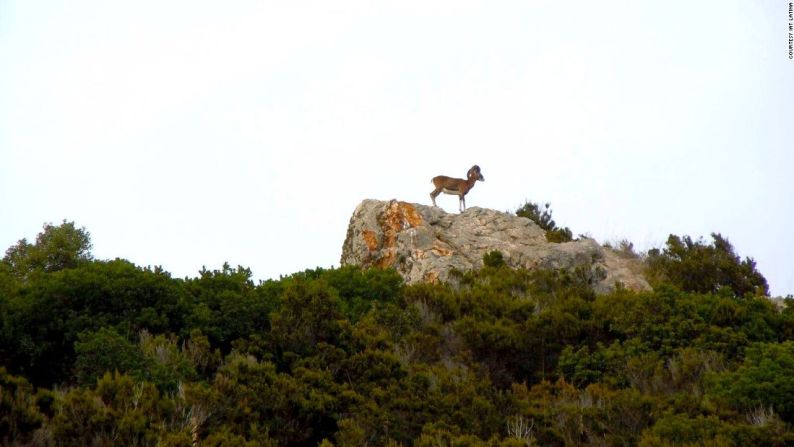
(425, 243)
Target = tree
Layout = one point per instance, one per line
(56, 248)
(543, 218)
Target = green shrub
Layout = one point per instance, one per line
(763, 380)
(533, 212)
(104, 350)
(704, 268)
(20, 414)
(493, 259)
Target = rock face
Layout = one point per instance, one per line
(424, 243)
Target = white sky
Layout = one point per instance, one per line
(189, 133)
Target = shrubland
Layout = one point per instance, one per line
(104, 352)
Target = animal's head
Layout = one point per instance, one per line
(475, 173)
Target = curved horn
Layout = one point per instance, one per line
(475, 172)
(456, 186)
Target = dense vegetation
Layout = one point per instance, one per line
(96, 352)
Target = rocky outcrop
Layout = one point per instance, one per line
(425, 243)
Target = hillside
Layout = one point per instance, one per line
(105, 353)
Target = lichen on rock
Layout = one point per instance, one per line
(425, 244)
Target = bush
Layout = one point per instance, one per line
(763, 380)
(493, 259)
(543, 218)
(101, 351)
(19, 412)
(695, 266)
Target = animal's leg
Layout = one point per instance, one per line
(435, 194)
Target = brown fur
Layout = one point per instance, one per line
(456, 186)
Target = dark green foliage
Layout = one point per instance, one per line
(583, 366)
(308, 314)
(493, 259)
(225, 305)
(9, 283)
(543, 218)
(695, 266)
(253, 399)
(348, 357)
(765, 379)
(165, 364)
(47, 314)
(359, 289)
(787, 326)
(104, 350)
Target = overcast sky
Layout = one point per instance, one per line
(190, 133)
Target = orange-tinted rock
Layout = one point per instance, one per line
(424, 244)
(370, 239)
